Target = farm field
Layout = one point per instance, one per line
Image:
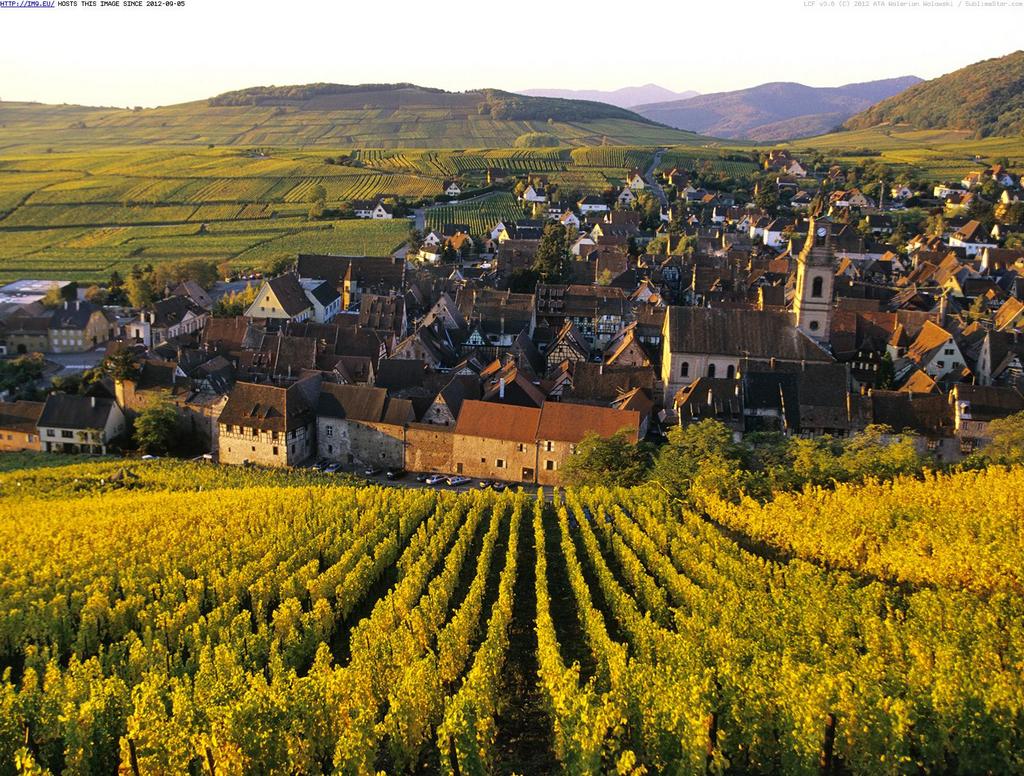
(480, 215)
(186, 614)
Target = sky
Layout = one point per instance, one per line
(127, 56)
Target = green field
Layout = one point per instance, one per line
(480, 216)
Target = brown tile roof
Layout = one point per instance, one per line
(289, 292)
(498, 421)
(267, 407)
(564, 422)
(352, 402)
(21, 416)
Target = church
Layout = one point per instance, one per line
(714, 342)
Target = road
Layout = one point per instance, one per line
(652, 182)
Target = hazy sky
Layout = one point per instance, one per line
(157, 56)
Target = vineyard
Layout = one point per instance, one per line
(480, 215)
(173, 618)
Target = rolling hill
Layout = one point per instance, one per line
(626, 97)
(773, 111)
(336, 116)
(986, 98)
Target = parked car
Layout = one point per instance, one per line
(331, 468)
(422, 476)
(435, 479)
(371, 471)
(458, 479)
(484, 484)
(151, 458)
(499, 486)
(395, 474)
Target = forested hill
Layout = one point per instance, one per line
(339, 116)
(986, 98)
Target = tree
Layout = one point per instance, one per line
(553, 260)
(599, 461)
(699, 454)
(156, 427)
(1007, 440)
(96, 295)
(140, 291)
(886, 373)
(120, 365)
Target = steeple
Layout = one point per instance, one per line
(815, 278)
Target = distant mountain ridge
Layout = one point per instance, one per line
(626, 97)
(986, 98)
(774, 111)
(343, 116)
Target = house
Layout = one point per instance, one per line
(975, 406)
(527, 444)
(592, 204)
(70, 423)
(359, 424)
(970, 237)
(451, 188)
(570, 220)
(382, 212)
(562, 426)
(169, 318)
(195, 292)
(19, 426)
(569, 345)
(935, 351)
(444, 410)
(496, 441)
(626, 197)
(353, 276)
(635, 181)
(533, 194)
(269, 425)
(281, 298)
(76, 327)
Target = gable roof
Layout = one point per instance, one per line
(22, 416)
(742, 333)
(289, 293)
(498, 421)
(65, 410)
(352, 402)
(564, 422)
(267, 407)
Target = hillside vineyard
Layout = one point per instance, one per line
(176, 618)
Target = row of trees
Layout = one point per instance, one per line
(705, 454)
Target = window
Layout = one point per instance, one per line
(50, 432)
(500, 463)
(330, 431)
(684, 369)
(65, 434)
(549, 446)
(711, 370)
(521, 447)
(940, 364)
(275, 449)
(814, 325)
(549, 465)
(816, 286)
(947, 352)
(730, 372)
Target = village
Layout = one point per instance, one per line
(801, 310)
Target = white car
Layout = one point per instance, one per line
(458, 480)
(435, 479)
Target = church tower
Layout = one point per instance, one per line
(815, 278)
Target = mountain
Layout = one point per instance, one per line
(773, 111)
(339, 116)
(986, 98)
(626, 97)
